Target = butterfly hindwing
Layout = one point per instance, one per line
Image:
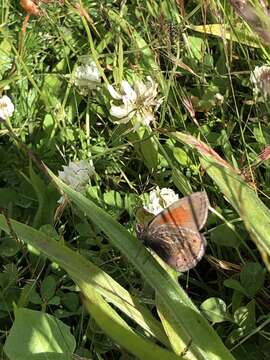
(181, 248)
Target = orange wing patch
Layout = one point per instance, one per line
(177, 217)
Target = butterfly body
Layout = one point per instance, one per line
(174, 233)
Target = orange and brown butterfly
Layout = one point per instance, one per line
(174, 233)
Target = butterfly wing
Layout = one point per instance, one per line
(189, 212)
(179, 247)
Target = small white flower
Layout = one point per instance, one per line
(159, 199)
(260, 78)
(77, 174)
(219, 98)
(45, 36)
(139, 102)
(87, 76)
(6, 107)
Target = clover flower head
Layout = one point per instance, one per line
(138, 102)
(87, 76)
(260, 78)
(159, 199)
(6, 107)
(77, 174)
(219, 99)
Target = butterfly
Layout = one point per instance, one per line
(174, 233)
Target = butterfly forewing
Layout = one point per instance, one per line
(179, 247)
(189, 212)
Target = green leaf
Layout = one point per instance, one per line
(8, 196)
(113, 198)
(145, 146)
(245, 316)
(48, 287)
(149, 151)
(181, 156)
(29, 294)
(262, 135)
(223, 235)
(181, 182)
(8, 247)
(54, 301)
(235, 285)
(237, 300)
(9, 276)
(28, 337)
(70, 300)
(47, 197)
(215, 310)
(252, 278)
(131, 202)
(34, 298)
(52, 88)
(6, 56)
(196, 46)
(8, 299)
(252, 350)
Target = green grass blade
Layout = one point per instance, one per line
(171, 330)
(253, 212)
(113, 325)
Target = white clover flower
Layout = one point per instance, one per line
(6, 107)
(159, 199)
(87, 76)
(260, 78)
(77, 174)
(139, 102)
(219, 98)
